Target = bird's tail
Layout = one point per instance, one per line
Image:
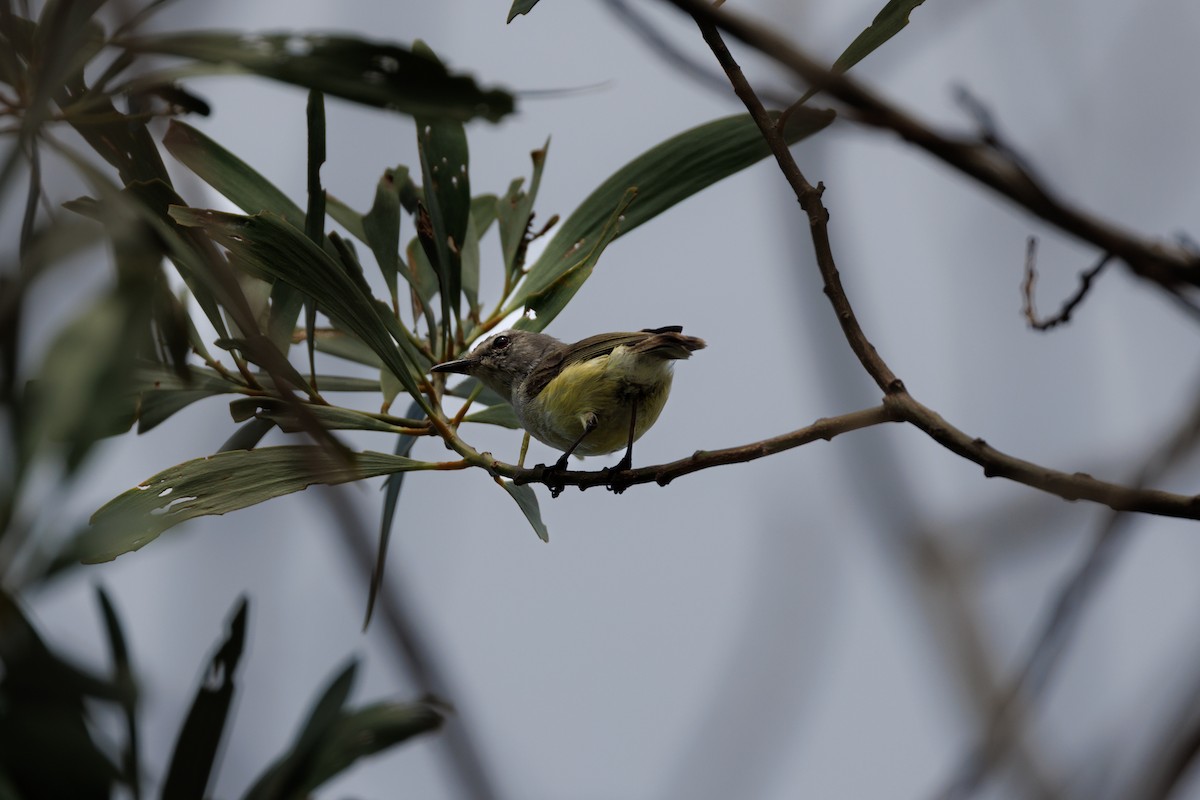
(668, 342)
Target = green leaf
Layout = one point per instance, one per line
(442, 144)
(330, 417)
(547, 303)
(123, 677)
(391, 498)
(528, 503)
(501, 414)
(233, 178)
(200, 737)
(285, 778)
(483, 214)
(314, 218)
(334, 738)
(514, 211)
(663, 176)
(347, 217)
(887, 23)
(219, 484)
(83, 394)
(366, 731)
(375, 74)
(268, 244)
(520, 7)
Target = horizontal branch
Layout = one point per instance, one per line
(823, 429)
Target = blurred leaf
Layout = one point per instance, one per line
(196, 748)
(663, 176)
(501, 414)
(219, 484)
(286, 778)
(887, 23)
(423, 277)
(366, 731)
(272, 246)
(520, 7)
(334, 738)
(442, 144)
(46, 749)
(314, 218)
(391, 498)
(548, 302)
(528, 502)
(329, 417)
(375, 74)
(82, 394)
(514, 211)
(123, 677)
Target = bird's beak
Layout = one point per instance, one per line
(462, 366)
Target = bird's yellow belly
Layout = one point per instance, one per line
(559, 414)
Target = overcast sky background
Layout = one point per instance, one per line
(760, 630)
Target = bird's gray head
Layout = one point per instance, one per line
(502, 361)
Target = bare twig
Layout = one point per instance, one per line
(1068, 307)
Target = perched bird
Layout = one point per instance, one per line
(588, 398)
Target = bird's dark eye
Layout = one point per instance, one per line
(501, 342)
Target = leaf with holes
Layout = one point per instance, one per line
(219, 484)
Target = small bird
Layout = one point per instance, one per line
(588, 398)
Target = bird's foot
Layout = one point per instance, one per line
(615, 480)
(552, 476)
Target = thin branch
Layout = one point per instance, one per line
(1068, 307)
(1069, 486)
(662, 474)
(1165, 263)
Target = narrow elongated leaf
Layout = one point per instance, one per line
(219, 484)
(501, 414)
(381, 227)
(528, 502)
(330, 417)
(123, 677)
(268, 244)
(514, 210)
(520, 7)
(663, 176)
(376, 74)
(199, 738)
(314, 217)
(233, 178)
(442, 144)
(391, 498)
(483, 214)
(547, 303)
(285, 778)
(364, 732)
(891, 19)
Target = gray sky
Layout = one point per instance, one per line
(760, 630)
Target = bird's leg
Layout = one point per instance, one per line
(626, 461)
(550, 474)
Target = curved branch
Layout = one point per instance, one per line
(1069, 486)
(1167, 264)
